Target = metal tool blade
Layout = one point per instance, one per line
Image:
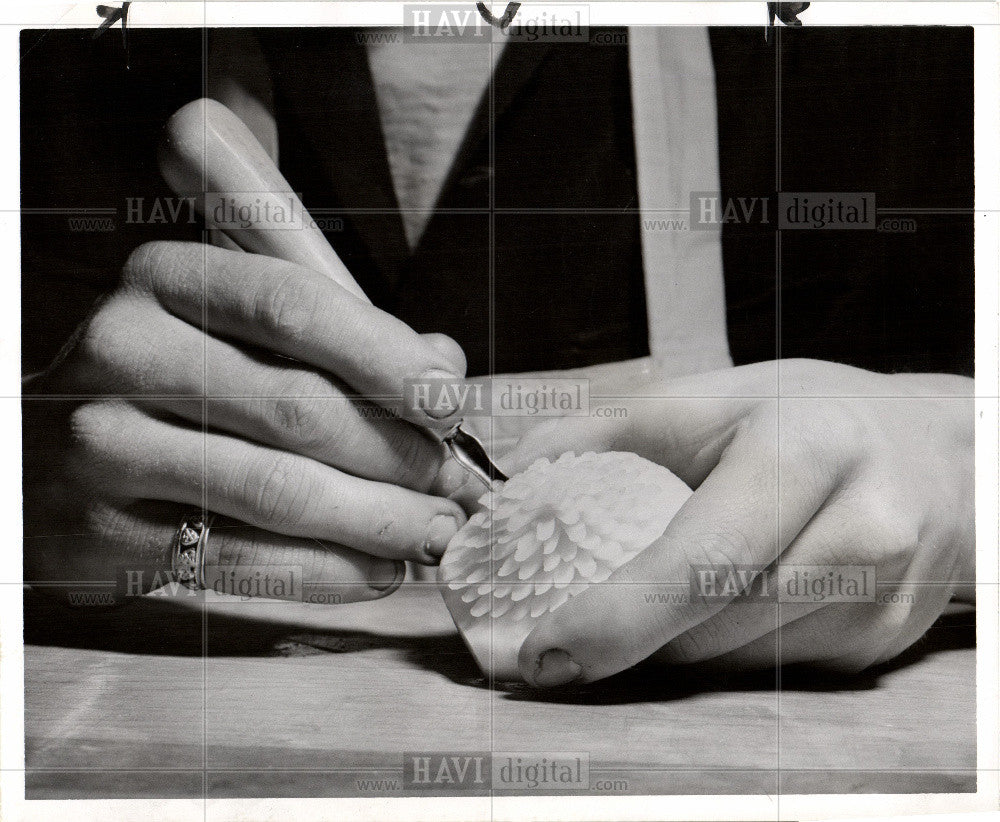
(471, 455)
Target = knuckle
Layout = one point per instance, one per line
(414, 457)
(300, 418)
(297, 422)
(284, 492)
(727, 552)
(287, 307)
(732, 561)
(147, 265)
(824, 432)
(757, 434)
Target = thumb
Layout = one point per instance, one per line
(683, 423)
(686, 434)
(449, 348)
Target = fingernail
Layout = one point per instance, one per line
(556, 667)
(385, 576)
(437, 394)
(443, 527)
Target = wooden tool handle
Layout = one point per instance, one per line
(209, 154)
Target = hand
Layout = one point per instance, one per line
(233, 381)
(848, 468)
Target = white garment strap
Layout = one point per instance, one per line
(673, 114)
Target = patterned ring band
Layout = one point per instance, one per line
(188, 556)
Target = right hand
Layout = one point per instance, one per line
(232, 382)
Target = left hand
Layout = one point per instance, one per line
(847, 468)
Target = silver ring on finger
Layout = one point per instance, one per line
(188, 554)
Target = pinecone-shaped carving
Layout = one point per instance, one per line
(551, 531)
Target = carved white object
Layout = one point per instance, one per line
(544, 536)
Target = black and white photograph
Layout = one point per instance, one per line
(501, 411)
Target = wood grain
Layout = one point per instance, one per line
(230, 698)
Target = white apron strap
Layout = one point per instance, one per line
(674, 120)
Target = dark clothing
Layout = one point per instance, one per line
(888, 111)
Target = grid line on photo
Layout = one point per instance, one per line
(391, 398)
(85, 211)
(492, 353)
(778, 33)
(206, 240)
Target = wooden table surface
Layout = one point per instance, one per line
(243, 699)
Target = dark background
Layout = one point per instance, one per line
(886, 110)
